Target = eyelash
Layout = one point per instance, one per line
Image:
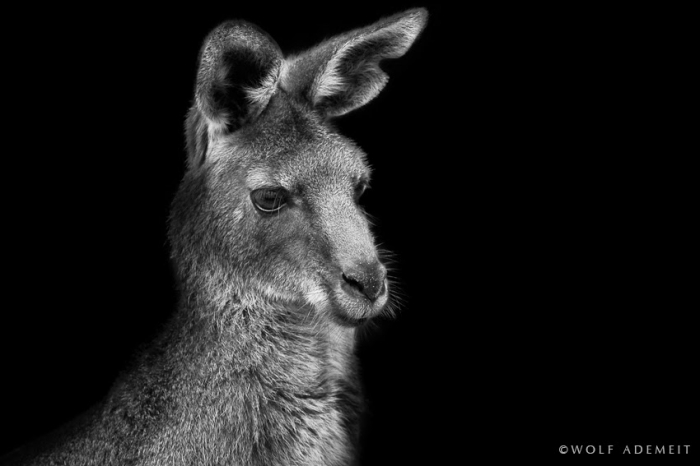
(269, 200)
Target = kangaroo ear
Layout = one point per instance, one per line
(239, 67)
(342, 73)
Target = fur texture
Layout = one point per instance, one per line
(256, 366)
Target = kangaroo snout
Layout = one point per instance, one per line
(366, 279)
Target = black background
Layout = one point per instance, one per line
(530, 175)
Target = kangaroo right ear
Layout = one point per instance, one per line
(239, 66)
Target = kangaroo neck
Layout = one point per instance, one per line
(282, 345)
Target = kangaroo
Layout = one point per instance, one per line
(275, 263)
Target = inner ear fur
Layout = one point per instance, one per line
(239, 66)
(343, 73)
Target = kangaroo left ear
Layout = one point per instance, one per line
(342, 73)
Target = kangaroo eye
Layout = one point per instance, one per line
(360, 188)
(269, 200)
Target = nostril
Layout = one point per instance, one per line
(382, 289)
(353, 282)
(370, 285)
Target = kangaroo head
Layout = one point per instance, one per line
(268, 208)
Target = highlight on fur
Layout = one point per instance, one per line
(276, 265)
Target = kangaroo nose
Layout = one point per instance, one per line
(369, 280)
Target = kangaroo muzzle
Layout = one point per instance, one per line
(365, 280)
